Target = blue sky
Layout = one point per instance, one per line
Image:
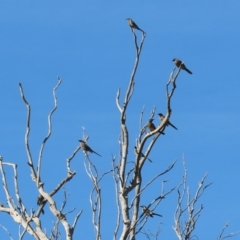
(90, 46)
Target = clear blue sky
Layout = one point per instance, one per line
(90, 46)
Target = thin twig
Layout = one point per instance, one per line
(5, 229)
(221, 237)
(30, 161)
(49, 129)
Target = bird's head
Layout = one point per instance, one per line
(80, 140)
(128, 19)
(160, 115)
(175, 59)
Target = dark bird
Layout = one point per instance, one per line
(132, 24)
(40, 201)
(181, 65)
(148, 212)
(150, 125)
(86, 148)
(168, 122)
(141, 155)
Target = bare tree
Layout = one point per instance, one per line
(127, 177)
(184, 228)
(29, 219)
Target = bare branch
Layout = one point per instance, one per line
(116, 168)
(76, 220)
(152, 180)
(49, 129)
(5, 229)
(70, 159)
(30, 162)
(150, 235)
(117, 101)
(95, 195)
(5, 186)
(154, 203)
(125, 141)
(221, 237)
(185, 232)
(47, 197)
(58, 187)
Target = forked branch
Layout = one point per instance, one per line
(184, 231)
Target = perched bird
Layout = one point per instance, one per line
(150, 125)
(148, 212)
(40, 202)
(86, 148)
(168, 122)
(132, 24)
(142, 155)
(181, 65)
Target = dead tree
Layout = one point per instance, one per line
(184, 228)
(30, 219)
(127, 176)
(187, 214)
(129, 180)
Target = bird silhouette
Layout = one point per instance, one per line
(86, 148)
(181, 65)
(151, 125)
(132, 24)
(148, 212)
(168, 122)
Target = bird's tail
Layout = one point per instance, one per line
(157, 214)
(140, 30)
(149, 159)
(97, 154)
(188, 71)
(172, 125)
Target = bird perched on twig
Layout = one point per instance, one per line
(86, 148)
(141, 155)
(181, 65)
(132, 24)
(148, 212)
(150, 125)
(168, 122)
